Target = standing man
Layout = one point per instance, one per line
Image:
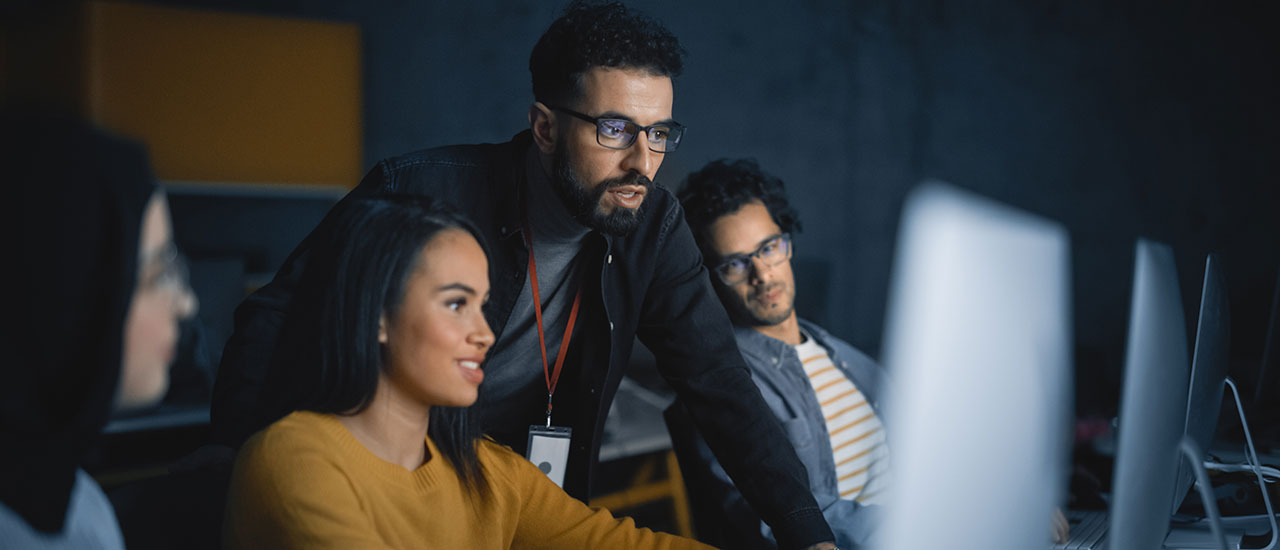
(826, 393)
(586, 253)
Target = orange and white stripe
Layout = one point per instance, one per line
(857, 438)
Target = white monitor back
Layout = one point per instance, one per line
(1153, 403)
(978, 345)
(1208, 370)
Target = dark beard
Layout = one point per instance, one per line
(742, 315)
(771, 319)
(584, 205)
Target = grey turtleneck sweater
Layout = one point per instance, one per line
(514, 383)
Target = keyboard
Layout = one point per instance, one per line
(1088, 530)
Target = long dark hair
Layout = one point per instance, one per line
(328, 357)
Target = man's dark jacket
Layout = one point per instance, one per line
(651, 284)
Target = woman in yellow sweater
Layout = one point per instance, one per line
(379, 359)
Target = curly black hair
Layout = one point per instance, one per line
(592, 34)
(724, 186)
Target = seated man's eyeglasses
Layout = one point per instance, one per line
(620, 133)
(735, 269)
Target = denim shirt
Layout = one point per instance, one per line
(777, 372)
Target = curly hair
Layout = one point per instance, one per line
(723, 187)
(592, 34)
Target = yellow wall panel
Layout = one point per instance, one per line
(224, 97)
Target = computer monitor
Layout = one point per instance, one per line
(1208, 370)
(236, 236)
(1153, 404)
(258, 224)
(1265, 404)
(978, 345)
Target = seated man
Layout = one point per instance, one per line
(826, 394)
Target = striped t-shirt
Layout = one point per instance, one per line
(857, 440)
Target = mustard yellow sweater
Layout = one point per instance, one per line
(306, 482)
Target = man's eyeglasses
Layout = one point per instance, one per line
(619, 133)
(735, 269)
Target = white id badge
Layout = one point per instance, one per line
(549, 450)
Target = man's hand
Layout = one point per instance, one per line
(823, 546)
(1060, 529)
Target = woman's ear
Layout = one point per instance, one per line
(382, 329)
(543, 125)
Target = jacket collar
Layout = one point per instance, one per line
(509, 203)
(755, 343)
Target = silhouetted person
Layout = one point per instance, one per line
(95, 305)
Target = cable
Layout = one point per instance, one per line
(1195, 457)
(1243, 519)
(1252, 456)
(1271, 474)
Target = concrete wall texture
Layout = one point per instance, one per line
(1118, 119)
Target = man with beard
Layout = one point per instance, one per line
(586, 253)
(825, 392)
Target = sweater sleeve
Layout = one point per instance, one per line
(287, 493)
(549, 518)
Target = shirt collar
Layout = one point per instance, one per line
(752, 341)
(755, 342)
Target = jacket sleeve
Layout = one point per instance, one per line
(737, 526)
(239, 406)
(686, 327)
(721, 515)
(854, 524)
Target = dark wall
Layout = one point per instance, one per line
(1118, 119)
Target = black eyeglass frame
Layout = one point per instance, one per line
(675, 130)
(783, 238)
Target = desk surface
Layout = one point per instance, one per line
(635, 425)
(163, 417)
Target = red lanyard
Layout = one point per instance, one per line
(552, 377)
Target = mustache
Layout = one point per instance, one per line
(757, 291)
(633, 178)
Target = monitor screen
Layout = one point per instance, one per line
(236, 236)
